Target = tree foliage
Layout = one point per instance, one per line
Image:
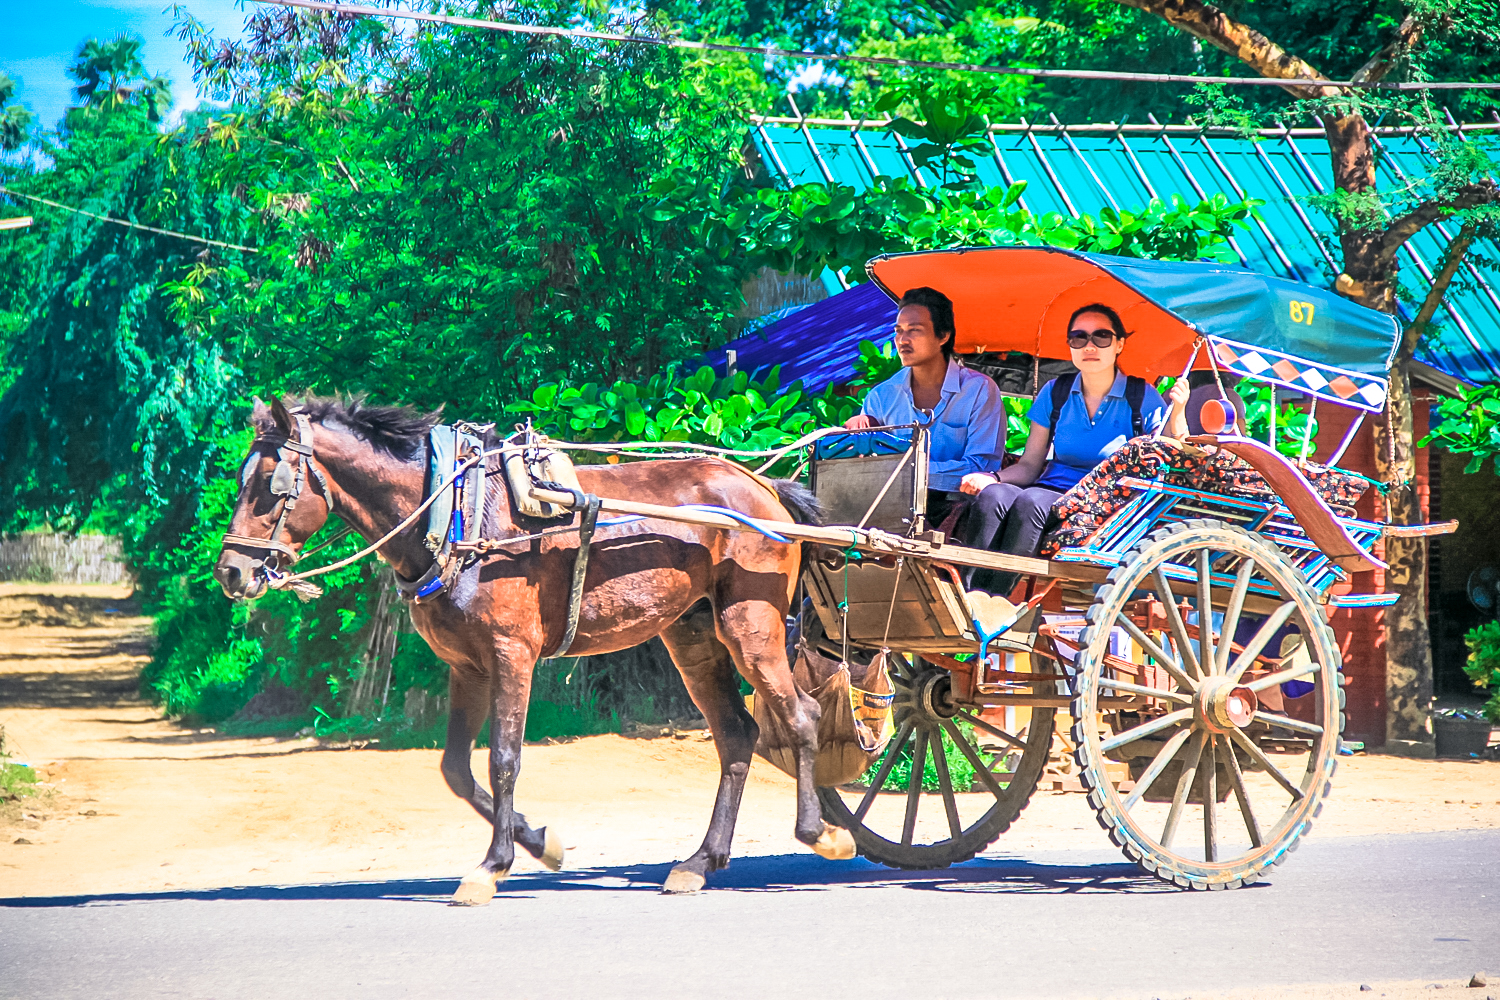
(451, 216)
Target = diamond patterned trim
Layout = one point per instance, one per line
(1335, 384)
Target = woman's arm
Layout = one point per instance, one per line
(1176, 424)
(1025, 472)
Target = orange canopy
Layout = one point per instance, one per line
(1021, 298)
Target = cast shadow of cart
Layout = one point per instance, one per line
(775, 873)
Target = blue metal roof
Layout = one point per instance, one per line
(1080, 169)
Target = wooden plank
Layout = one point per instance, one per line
(1419, 530)
(19, 222)
(1050, 701)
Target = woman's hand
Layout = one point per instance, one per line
(858, 422)
(1178, 394)
(976, 482)
(1176, 425)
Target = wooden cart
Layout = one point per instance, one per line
(1187, 639)
(1169, 721)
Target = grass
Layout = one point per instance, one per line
(17, 781)
(899, 780)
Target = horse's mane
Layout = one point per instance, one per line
(399, 430)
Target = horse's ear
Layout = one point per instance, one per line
(260, 413)
(283, 419)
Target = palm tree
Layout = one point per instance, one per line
(112, 73)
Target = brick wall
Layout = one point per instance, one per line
(1361, 632)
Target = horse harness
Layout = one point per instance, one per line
(287, 481)
(454, 520)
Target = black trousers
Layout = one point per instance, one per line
(1008, 518)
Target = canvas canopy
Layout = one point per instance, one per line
(1021, 299)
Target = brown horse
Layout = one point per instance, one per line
(717, 598)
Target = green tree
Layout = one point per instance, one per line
(1373, 224)
(15, 121)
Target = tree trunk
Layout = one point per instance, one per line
(1408, 647)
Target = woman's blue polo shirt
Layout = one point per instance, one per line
(1082, 443)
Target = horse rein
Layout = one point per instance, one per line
(287, 482)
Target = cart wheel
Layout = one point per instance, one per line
(926, 829)
(1203, 738)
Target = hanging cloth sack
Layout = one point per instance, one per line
(855, 724)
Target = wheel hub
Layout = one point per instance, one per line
(934, 689)
(1223, 705)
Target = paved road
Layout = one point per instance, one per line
(1059, 925)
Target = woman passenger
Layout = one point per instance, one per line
(1081, 422)
(963, 406)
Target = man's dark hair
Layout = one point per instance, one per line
(940, 308)
(1105, 311)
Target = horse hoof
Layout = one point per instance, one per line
(477, 888)
(835, 844)
(552, 851)
(682, 881)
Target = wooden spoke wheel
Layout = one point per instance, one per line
(1210, 807)
(977, 776)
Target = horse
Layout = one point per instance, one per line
(717, 598)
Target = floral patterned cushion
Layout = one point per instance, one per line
(1099, 494)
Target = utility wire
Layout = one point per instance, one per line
(124, 222)
(768, 51)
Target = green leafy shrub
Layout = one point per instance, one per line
(899, 780)
(1291, 422)
(16, 780)
(1469, 425)
(734, 411)
(1483, 665)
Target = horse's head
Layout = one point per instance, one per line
(283, 501)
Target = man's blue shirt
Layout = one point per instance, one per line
(1082, 443)
(968, 423)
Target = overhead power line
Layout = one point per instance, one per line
(768, 51)
(124, 222)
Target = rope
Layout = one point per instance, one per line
(124, 222)
(773, 454)
(280, 582)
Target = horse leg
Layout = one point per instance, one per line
(709, 674)
(755, 632)
(510, 688)
(468, 708)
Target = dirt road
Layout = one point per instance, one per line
(140, 803)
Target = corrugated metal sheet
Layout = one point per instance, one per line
(1081, 171)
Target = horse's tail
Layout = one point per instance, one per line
(798, 501)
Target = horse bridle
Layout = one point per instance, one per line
(287, 482)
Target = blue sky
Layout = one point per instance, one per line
(38, 39)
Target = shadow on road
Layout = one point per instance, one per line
(777, 873)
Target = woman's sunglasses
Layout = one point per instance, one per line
(1079, 339)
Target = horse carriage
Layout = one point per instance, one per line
(1184, 630)
(1181, 623)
